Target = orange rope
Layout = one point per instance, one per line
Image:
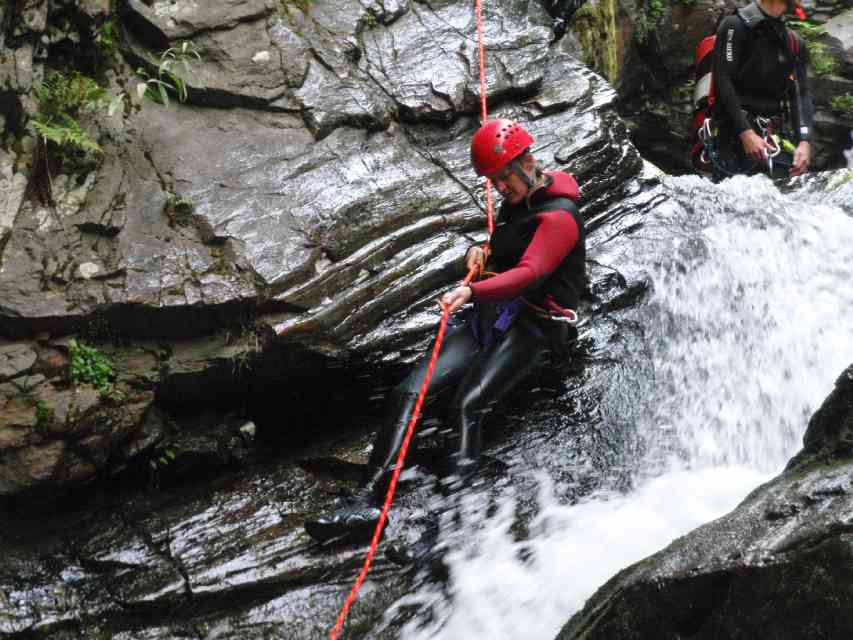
(484, 112)
(439, 339)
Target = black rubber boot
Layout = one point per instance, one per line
(353, 520)
(354, 517)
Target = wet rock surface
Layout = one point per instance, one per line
(215, 548)
(324, 154)
(327, 196)
(780, 565)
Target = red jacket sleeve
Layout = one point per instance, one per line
(555, 237)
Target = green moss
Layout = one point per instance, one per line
(288, 5)
(178, 210)
(651, 13)
(823, 62)
(811, 31)
(595, 27)
(44, 414)
(842, 105)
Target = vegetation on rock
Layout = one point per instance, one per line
(90, 366)
(822, 60)
(62, 99)
(842, 105)
(167, 80)
(44, 414)
(178, 210)
(596, 30)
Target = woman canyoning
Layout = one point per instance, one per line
(527, 307)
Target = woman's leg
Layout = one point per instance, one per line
(357, 516)
(458, 352)
(490, 378)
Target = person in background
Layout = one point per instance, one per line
(764, 107)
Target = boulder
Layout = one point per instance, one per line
(779, 566)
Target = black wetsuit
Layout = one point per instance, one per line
(540, 252)
(755, 56)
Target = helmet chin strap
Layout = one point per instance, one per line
(517, 169)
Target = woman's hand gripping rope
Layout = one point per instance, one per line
(475, 260)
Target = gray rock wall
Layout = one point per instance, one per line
(324, 154)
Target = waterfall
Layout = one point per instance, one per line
(745, 328)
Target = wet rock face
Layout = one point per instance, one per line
(780, 565)
(223, 553)
(323, 155)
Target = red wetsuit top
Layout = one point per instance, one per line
(552, 260)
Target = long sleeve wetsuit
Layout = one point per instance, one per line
(551, 245)
(539, 251)
(752, 70)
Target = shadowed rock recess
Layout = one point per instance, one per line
(779, 566)
(324, 154)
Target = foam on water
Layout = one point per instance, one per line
(748, 327)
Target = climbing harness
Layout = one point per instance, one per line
(764, 126)
(553, 312)
(765, 130)
(706, 137)
(442, 328)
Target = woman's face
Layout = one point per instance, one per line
(511, 187)
(774, 8)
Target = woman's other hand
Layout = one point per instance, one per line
(475, 259)
(456, 298)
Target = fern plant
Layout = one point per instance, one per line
(64, 130)
(61, 100)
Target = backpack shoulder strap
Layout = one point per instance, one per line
(794, 44)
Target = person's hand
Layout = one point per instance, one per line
(802, 159)
(456, 298)
(755, 146)
(475, 259)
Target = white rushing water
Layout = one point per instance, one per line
(748, 326)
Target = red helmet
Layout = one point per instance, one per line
(496, 144)
(796, 7)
